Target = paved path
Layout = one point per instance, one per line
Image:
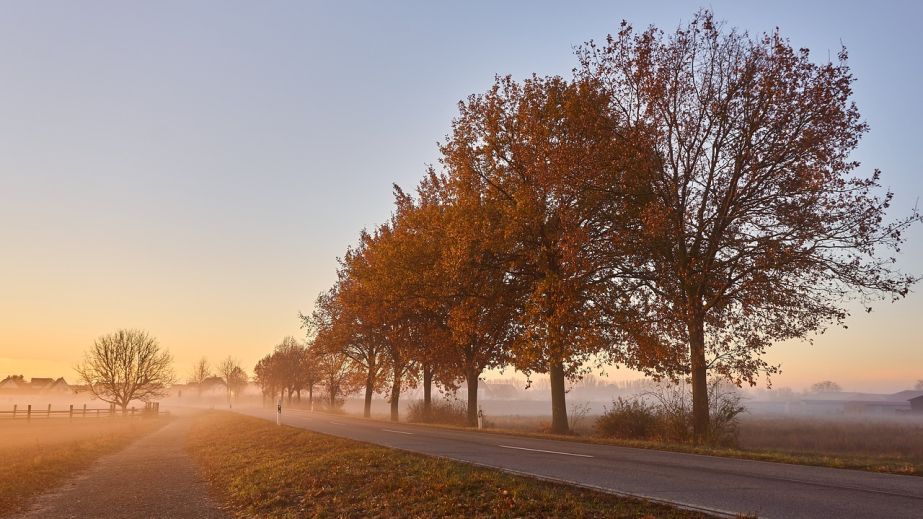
(151, 478)
(723, 486)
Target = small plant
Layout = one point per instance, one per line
(576, 413)
(450, 412)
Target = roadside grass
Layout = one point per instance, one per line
(263, 470)
(39, 454)
(886, 447)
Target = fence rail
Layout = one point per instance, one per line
(30, 412)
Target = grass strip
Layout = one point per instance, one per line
(263, 470)
(29, 470)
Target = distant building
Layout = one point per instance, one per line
(39, 384)
(861, 403)
(916, 404)
(12, 383)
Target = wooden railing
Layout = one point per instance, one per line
(29, 412)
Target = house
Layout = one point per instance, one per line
(39, 384)
(916, 404)
(13, 382)
(860, 403)
(59, 386)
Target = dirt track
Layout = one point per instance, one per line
(152, 477)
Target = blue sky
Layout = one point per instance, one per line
(194, 168)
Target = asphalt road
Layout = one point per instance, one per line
(722, 486)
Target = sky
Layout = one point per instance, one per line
(195, 168)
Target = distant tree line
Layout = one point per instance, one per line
(680, 204)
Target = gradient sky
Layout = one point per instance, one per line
(194, 168)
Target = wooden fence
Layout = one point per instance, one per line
(28, 412)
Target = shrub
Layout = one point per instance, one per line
(629, 418)
(450, 412)
(665, 413)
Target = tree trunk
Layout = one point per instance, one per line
(471, 378)
(558, 403)
(311, 396)
(395, 394)
(699, 380)
(427, 393)
(369, 386)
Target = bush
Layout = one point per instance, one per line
(626, 418)
(450, 412)
(665, 413)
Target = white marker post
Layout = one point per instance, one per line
(480, 418)
(279, 412)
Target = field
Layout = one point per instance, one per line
(262, 470)
(39, 454)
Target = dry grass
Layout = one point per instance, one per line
(892, 441)
(39, 454)
(263, 470)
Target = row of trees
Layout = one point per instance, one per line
(681, 203)
(293, 368)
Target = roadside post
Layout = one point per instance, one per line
(480, 417)
(279, 412)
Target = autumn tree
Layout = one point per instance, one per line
(341, 315)
(550, 157)
(760, 226)
(126, 365)
(338, 375)
(266, 374)
(463, 284)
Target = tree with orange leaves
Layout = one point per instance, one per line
(552, 158)
(759, 226)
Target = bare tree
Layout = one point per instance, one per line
(200, 371)
(124, 366)
(234, 376)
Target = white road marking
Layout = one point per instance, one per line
(398, 432)
(337, 423)
(542, 450)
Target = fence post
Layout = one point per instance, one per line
(132, 410)
(49, 411)
(70, 414)
(97, 412)
(29, 413)
(14, 410)
(84, 410)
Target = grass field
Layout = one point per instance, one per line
(39, 454)
(262, 470)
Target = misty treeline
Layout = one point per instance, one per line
(679, 204)
(228, 373)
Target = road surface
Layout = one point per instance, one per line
(722, 486)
